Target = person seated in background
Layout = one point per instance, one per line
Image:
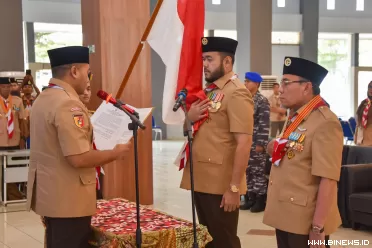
(363, 132)
(85, 98)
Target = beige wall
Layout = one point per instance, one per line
(11, 36)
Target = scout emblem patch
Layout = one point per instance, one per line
(79, 120)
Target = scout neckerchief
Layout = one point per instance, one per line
(6, 105)
(28, 102)
(365, 113)
(202, 95)
(54, 86)
(280, 145)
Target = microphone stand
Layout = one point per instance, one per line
(136, 123)
(188, 133)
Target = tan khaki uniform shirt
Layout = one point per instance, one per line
(294, 184)
(214, 144)
(18, 114)
(60, 127)
(275, 102)
(366, 132)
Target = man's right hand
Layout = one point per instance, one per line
(122, 150)
(197, 110)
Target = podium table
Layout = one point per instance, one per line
(114, 226)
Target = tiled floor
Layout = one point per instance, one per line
(20, 229)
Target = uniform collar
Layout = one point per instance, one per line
(222, 81)
(300, 109)
(67, 87)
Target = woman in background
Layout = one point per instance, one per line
(363, 132)
(85, 98)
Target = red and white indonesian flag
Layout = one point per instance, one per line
(176, 36)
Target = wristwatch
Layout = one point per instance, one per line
(317, 230)
(234, 188)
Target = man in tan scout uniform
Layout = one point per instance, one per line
(12, 119)
(302, 194)
(13, 128)
(61, 181)
(222, 144)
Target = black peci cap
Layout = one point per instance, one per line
(219, 44)
(68, 55)
(306, 69)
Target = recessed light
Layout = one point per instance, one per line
(360, 5)
(216, 2)
(281, 3)
(331, 4)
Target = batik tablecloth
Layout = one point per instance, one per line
(115, 226)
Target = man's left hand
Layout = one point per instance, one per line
(317, 240)
(22, 144)
(260, 149)
(230, 201)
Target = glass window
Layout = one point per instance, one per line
(334, 53)
(285, 38)
(49, 36)
(365, 49)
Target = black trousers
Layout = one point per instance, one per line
(291, 240)
(68, 232)
(222, 226)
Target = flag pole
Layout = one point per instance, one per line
(139, 48)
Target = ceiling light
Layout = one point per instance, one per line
(360, 5)
(216, 2)
(331, 4)
(281, 3)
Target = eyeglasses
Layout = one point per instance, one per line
(90, 76)
(286, 82)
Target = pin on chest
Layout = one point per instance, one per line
(296, 142)
(215, 98)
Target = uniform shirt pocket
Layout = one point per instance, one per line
(88, 179)
(294, 198)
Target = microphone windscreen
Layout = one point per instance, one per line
(101, 94)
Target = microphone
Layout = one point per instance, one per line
(117, 103)
(181, 97)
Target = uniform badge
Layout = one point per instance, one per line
(79, 120)
(290, 154)
(287, 62)
(204, 41)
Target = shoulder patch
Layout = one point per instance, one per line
(79, 120)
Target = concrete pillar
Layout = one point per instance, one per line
(310, 29)
(254, 27)
(11, 41)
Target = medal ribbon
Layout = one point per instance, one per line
(365, 113)
(280, 143)
(201, 95)
(7, 108)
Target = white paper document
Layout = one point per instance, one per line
(110, 125)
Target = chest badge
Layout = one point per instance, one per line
(79, 120)
(296, 143)
(290, 154)
(215, 99)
